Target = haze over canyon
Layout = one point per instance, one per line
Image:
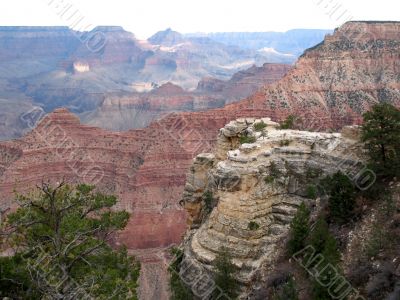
(113, 80)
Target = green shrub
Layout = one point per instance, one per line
(208, 200)
(179, 290)
(324, 242)
(259, 126)
(246, 139)
(274, 171)
(311, 192)
(299, 229)
(269, 179)
(289, 122)
(284, 143)
(225, 272)
(15, 281)
(312, 173)
(377, 241)
(342, 197)
(253, 225)
(67, 228)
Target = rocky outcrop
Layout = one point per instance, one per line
(243, 201)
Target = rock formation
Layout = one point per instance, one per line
(330, 86)
(333, 83)
(137, 110)
(78, 70)
(146, 168)
(254, 191)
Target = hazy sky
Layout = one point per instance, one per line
(145, 17)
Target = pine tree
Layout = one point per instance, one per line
(326, 270)
(381, 134)
(179, 290)
(299, 229)
(225, 276)
(319, 235)
(342, 195)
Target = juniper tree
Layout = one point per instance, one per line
(61, 237)
(299, 229)
(342, 197)
(381, 135)
(326, 267)
(225, 276)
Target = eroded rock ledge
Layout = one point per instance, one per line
(242, 197)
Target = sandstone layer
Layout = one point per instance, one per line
(147, 168)
(254, 191)
(330, 86)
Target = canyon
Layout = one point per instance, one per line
(137, 110)
(330, 86)
(90, 72)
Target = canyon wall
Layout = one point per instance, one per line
(242, 197)
(147, 168)
(333, 83)
(329, 87)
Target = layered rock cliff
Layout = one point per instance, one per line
(242, 197)
(330, 86)
(146, 168)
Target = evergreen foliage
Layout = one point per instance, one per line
(342, 197)
(61, 238)
(299, 229)
(381, 135)
(179, 290)
(225, 272)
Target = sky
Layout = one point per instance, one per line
(146, 17)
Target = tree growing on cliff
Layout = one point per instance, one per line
(326, 269)
(342, 197)
(381, 135)
(61, 236)
(299, 229)
(179, 290)
(320, 236)
(225, 276)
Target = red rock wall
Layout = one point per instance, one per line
(330, 86)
